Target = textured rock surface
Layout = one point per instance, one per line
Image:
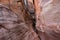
(50, 20)
(13, 26)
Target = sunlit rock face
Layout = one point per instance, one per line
(50, 14)
(50, 19)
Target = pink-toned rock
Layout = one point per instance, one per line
(50, 20)
(14, 27)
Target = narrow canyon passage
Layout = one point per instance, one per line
(29, 19)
